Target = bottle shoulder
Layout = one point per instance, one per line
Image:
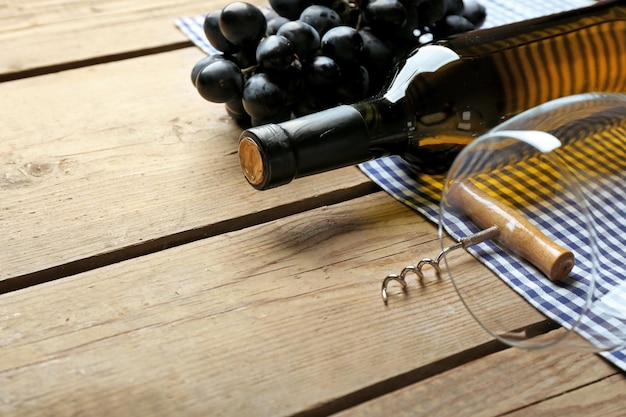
(427, 59)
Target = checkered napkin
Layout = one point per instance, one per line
(422, 192)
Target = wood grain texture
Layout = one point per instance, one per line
(39, 34)
(606, 397)
(121, 154)
(276, 319)
(513, 382)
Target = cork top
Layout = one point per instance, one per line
(251, 161)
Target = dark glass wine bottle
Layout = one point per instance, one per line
(447, 93)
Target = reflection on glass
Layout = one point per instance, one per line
(552, 180)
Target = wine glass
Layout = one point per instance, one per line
(541, 202)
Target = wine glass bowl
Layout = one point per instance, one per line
(551, 181)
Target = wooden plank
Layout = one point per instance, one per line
(117, 156)
(514, 383)
(604, 398)
(283, 318)
(38, 34)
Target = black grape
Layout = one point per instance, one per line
(291, 82)
(290, 9)
(275, 53)
(214, 34)
(322, 18)
(378, 58)
(242, 24)
(354, 84)
(236, 111)
(474, 12)
(430, 11)
(263, 99)
(201, 64)
(275, 23)
(303, 37)
(385, 15)
(246, 57)
(313, 101)
(322, 72)
(220, 81)
(342, 43)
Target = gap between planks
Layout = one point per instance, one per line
(188, 236)
(97, 60)
(404, 380)
(419, 374)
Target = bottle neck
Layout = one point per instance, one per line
(387, 126)
(274, 154)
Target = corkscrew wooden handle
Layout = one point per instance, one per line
(516, 232)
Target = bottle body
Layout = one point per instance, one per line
(446, 94)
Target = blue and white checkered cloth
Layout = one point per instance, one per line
(560, 217)
(422, 192)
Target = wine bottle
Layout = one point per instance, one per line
(447, 93)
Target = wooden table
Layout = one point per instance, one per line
(140, 274)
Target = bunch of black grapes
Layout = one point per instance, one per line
(296, 57)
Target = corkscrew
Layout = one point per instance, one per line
(497, 221)
(465, 242)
